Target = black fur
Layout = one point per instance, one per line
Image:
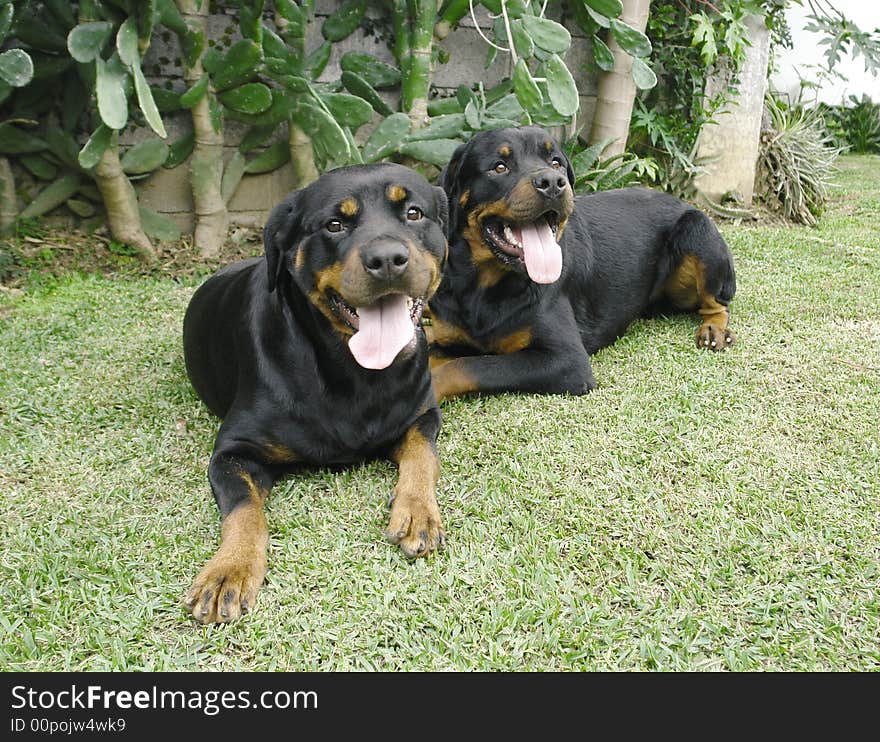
(619, 248)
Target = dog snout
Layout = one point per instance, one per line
(550, 183)
(385, 260)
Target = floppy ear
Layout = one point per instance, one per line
(569, 171)
(278, 236)
(449, 182)
(442, 204)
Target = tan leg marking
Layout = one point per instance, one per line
(228, 584)
(415, 523)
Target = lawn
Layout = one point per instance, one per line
(697, 512)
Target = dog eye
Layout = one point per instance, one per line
(334, 225)
(414, 213)
(556, 162)
(500, 168)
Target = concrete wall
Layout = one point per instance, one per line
(167, 191)
(731, 146)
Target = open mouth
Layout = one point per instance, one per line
(349, 314)
(531, 245)
(383, 330)
(508, 242)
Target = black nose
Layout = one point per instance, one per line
(550, 183)
(385, 259)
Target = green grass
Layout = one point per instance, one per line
(697, 512)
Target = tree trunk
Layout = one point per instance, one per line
(302, 153)
(206, 161)
(417, 73)
(617, 91)
(117, 193)
(120, 201)
(8, 201)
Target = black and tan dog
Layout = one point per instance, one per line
(538, 280)
(315, 355)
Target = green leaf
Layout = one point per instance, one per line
(327, 136)
(386, 137)
(252, 97)
(472, 115)
(195, 93)
(441, 127)
(349, 110)
(127, 43)
(583, 161)
(181, 149)
(145, 157)
(212, 61)
(167, 101)
(561, 87)
(289, 11)
(39, 166)
(608, 8)
(269, 159)
(52, 196)
(6, 13)
(63, 146)
(316, 61)
(356, 85)
(86, 40)
(146, 102)
(435, 151)
(631, 40)
(91, 153)
(372, 69)
(169, 16)
(643, 75)
(82, 209)
(232, 172)
(344, 21)
(522, 41)
(110, 88)
(240, 64)
(254, 137)
(16, 68)
(547, 34)
(443, 106)
(527, 92)
(282, 106)
(603, 55)
(193, 43)
(158, 226)
(49, 66)
(14, 141)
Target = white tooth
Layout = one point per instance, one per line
(409, 303)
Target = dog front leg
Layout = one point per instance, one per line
(530, 370)
(228, 584)
(415, 524)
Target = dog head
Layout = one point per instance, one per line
(510, 196)
(366, 246)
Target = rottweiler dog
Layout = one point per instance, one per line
(537, 280)
(314, 354)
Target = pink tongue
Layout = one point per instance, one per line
(541, 253)
(384, 329)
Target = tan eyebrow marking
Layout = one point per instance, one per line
(349, 207)
(396, 193)
(504, 150)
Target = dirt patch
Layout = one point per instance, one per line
(53, 251)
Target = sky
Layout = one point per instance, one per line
(807, 53)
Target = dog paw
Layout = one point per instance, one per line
(713, 337)
(415, 525)
(226, 588)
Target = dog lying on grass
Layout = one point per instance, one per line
(538, 280)
(314, 354)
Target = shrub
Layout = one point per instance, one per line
(795, 162)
